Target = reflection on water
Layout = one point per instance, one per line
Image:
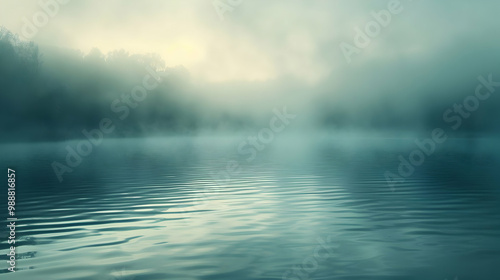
(151, 209)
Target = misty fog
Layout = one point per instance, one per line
(53, 93)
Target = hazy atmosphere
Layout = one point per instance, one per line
(231, 73)
(222, 139)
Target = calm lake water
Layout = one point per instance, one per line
(151, 209)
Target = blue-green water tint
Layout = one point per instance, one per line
(151, 209)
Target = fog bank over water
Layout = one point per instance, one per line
(415, 76)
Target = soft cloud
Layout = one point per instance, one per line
(258, 40)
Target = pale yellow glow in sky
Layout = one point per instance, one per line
(188, 33)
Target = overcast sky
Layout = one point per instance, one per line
(259, 39)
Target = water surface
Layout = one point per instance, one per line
(157, 209)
